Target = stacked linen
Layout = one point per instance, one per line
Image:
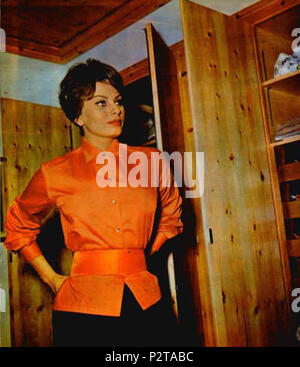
(288, 129)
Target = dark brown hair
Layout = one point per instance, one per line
(80, 82)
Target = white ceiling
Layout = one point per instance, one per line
(228, 7)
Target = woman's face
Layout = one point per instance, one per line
(103, 115)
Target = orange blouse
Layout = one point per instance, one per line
(107, 228)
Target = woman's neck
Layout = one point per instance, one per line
(100, 142)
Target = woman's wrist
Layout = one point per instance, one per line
(45, 271)
(158, 242)
(49, 277)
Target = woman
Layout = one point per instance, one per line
(109, 299)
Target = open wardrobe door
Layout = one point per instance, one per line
(244, 297)
(167, 112)
(165, 90)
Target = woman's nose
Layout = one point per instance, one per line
(115, 109)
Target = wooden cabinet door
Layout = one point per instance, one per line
(170, 138)
(165, 93)
(165, 90)
(242, 288)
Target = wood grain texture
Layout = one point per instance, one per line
(59, 32)
(141, 68)
(289, 172)
(187, 257)
(135, 72)
(172, 114)
(243, 294)
(286, 141)
(283, 107)
(75, 135)
(165, 93)
(291, 209)
(284, 82)
(279, 101)
(294, 248)
(32, 134)
(264, 9)
(274, 36)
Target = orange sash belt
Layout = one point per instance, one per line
(122, 262)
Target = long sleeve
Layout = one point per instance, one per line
(23, 219)
(170, 224)
(98, 222)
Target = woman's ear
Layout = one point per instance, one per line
(78, 121)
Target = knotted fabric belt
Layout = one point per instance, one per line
(123, 262)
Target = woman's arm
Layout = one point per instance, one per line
(23, 222)
(47, 274)
(170, 223)
(160, 239)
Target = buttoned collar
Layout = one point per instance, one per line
(91, 151)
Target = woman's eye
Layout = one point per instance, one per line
(120, 102)
(101, 103)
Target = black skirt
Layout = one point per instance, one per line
(135, 327)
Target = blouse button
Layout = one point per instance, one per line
(114, 201)
(117, 229)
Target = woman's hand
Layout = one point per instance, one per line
(160, 239)
(56, 282)
(47, 274)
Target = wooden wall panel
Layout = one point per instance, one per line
(186, 259)
(242, 294)
(76, 137)
(32, 134)
(135, 72)
(262, 9)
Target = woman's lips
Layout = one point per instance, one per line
(115, 123)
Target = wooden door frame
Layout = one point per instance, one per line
(141, 69)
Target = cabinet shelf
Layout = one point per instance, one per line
(284, 82)
(294, 247)
(291, 209)
(282, 96)
(289, 172)
(280, 100)
(150, 142)
(286, 141)
(274, 36)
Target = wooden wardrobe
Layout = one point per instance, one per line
(231, 284)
